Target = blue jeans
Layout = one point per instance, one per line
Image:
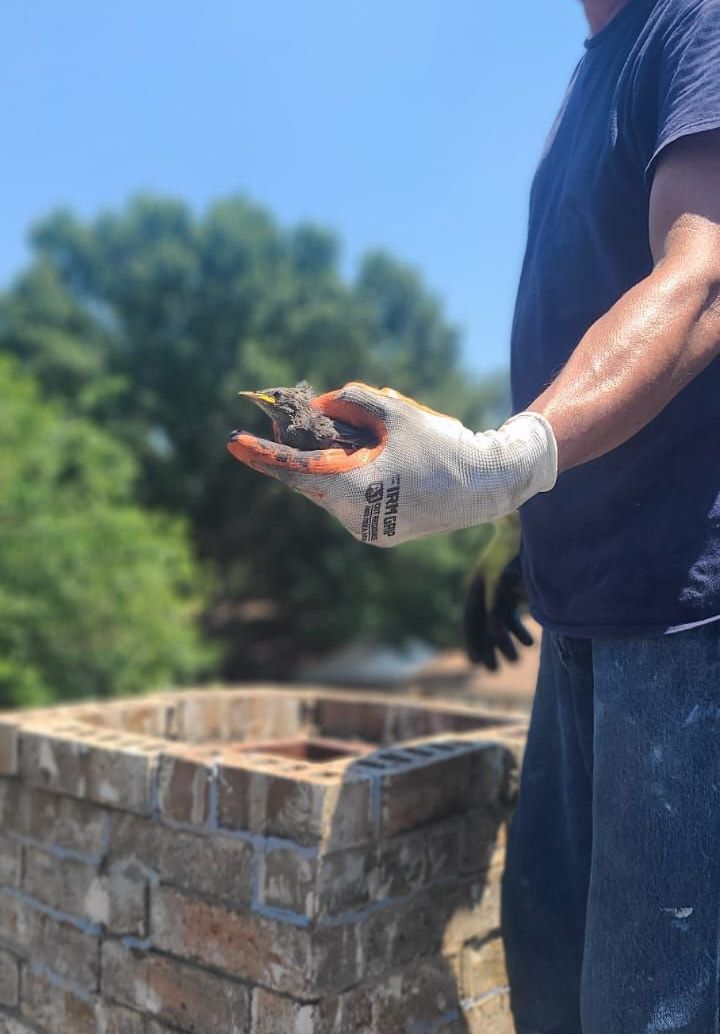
(611, 896)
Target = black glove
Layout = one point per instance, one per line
(486, 633)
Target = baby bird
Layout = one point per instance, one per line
(299, 424)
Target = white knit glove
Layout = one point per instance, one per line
(427, 474)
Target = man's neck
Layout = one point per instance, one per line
(600, 12)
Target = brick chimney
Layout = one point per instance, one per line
(254, 861)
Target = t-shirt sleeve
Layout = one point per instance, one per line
(688, 66)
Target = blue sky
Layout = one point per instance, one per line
(411, 125)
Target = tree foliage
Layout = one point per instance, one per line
(149, 320)
(96, 596)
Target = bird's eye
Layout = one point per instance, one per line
(276, 396)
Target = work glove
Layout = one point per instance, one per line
(426, 474)
(492, 616)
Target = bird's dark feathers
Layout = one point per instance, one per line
(298, 424)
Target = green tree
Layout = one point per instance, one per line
(150, 320)
(96, 596)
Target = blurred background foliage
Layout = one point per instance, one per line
(134, 551)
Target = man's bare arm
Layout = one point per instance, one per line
(663, 332)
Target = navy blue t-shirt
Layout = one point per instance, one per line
(628, 543)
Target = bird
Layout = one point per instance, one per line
(299, 424)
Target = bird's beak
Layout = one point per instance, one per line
(258, 397)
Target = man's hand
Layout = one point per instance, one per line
(492, 617)
(494, 596)
(426, 474)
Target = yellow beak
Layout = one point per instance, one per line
(258, 396)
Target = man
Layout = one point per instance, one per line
(612, 888)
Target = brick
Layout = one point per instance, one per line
(412, 720)
(144, 717)
(483, 840)
(408, 722)
(337, 959)
(180, 995)
(116, 1019)
(410, 861)
(492, 767)
(236, 715)
(61, 947)
(289, 880)
(56, 1010)
(63, 885)
(275, 1014)
(242, 796)
(287, 712)
(309, 810)
(10, 861)
(122, 902)
(108, 769)
(240, 944)
(50, 818)
(63, 822)
(96, 717)
(11, 919)
(403, 932)
(346, 881)
(10, 1025)
(423, 793)
(184, 787)
(115, 900)
(328, 884)
(9, 979)
(261, 716)
(365, 719)
(9, 744)
(10, 790)
(417, 997)
(442, 849)
(200, 716)
(272, 1013)
(218, 866)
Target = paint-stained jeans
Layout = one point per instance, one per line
(612, 888)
